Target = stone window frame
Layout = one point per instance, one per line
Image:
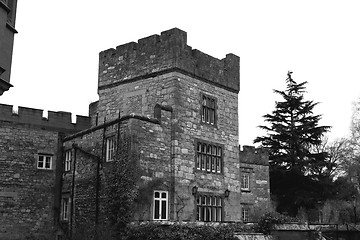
(44, 157)
(65, 208)
(205, 108)
(110, 149)
(210, 205)
(158, 211)
(68, 160)
(245, 172)
(198, 155)
(246, 212)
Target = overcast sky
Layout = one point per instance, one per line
(55, 61)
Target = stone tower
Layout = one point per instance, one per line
(202, 92)
(180, 108)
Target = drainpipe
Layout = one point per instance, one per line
(72, 192)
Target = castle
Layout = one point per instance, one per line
(175, 107)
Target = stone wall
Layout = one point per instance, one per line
(26, 193)
(148, 140)
(156, 55)
(55, 121)
(255, 161)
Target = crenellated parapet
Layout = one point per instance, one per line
(158, 54)
(55, 120)
(252, 155)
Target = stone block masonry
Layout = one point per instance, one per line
(27, 192)
(180, 108)
(168, 52)
(59, 121)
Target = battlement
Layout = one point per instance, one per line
(169, 51)
(253, 155)
(56, 120)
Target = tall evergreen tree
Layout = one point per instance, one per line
(292, 133)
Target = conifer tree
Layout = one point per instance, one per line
(292, 133)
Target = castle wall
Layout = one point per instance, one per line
(148, 140)
(26, 193)
(56, 121)
(255, 161)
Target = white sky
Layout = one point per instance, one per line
(55, 61)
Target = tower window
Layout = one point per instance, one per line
(67, 166)
(245, 181)
(209, 208)
(110, 149)
(65, 209)
(209, 157)
(160, 205)
(208, 110)
(245, 213)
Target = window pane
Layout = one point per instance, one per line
(202, 214)
(212, 104)
(157, 194)
(219, 151)
(211, 116)
(209, 149)
(208, 214)
(218, 215)
(208, 201)
(157, 209)
(214, 150)
(198, 160)
(41, 162)
(203, 114)
(203, 162)
(163, 209)
(47, 162)
(214, 218)
(207, 163)
(212, 164)
(163, 195)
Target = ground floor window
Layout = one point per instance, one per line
(245, 213)
(209, 208)
(160, 205)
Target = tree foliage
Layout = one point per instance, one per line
(293, 130)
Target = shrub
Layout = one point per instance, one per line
(268, 220)
(152, 231)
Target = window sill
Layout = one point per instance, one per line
(206, 172)
(245, 190)
(208, 124)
